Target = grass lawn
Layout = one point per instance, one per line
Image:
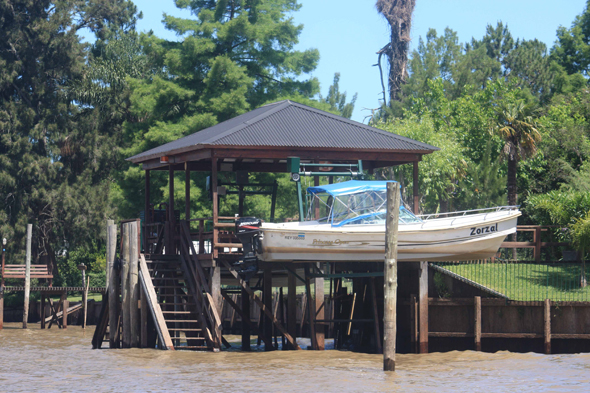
(525, 281)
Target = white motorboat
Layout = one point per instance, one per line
(353, 229)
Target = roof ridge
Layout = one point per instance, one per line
(254, 120)
(365, 126)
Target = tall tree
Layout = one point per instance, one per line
(49, 148)
(518, 129)
(572, 48)
(398, 14)
(231, 57)
(337, 100)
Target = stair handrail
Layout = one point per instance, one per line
(198, 278)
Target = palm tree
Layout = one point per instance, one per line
(519, 131)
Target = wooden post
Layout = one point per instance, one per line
(107, 267)
(319, 309)
(125, 309)
(292, 305)
(245, 321)
(133, 285)
(215, 285)
(144, 320)
(42, 310)
(547, 327)
(2, 308)
(537, 240)
(310, 310)
(477, 326)
(85, 303)
(187, 193)
(215, 204)
(65, 304)
(27, 275)
(146, 216)
(423, 300)
(416, 189)
(114, 288)
(267, 298)
(390, 277)
(413, 324)
(170, 250)
(376, 316)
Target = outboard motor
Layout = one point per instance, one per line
(248, 231)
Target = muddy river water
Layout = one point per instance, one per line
(63, 361)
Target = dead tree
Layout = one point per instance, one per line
(399, 16)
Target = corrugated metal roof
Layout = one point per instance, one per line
(289, 124)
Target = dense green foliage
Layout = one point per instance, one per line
(510, 116)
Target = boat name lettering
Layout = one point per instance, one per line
(481, 230)
(337, 242)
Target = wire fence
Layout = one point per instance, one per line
(520, 280)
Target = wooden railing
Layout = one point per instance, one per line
(536, 244)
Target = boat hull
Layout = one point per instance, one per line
(449, 239)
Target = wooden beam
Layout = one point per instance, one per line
(266, 311)
(310, 310)
(378, 339)
(423, 300)
(144, 319)
(152, 301)
(390, 277)
(413, 323)
(319, 310)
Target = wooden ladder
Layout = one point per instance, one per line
(183, 321)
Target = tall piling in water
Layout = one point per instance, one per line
(125, 309)
(133, 284)
(390, 277)
(114, 287)
(27, 275)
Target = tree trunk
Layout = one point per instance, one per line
(512, 165)
(399, 16)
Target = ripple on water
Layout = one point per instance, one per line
(58, 360)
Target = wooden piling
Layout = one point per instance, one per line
(27, 275)
(245, 320)
(390, 277)
(267, 298)
(319, 309)
(547, 326)
(423, 300)
(413, 323)
(114, 288)
(1, 308)
(85, 303)
(143, 334)
(65, 304)
(107, 267)
(125, 296)
(42, 311)
(376, 317)
(133, 284)
(477, 325)
(292, 305)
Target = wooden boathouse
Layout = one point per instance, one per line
(183, 260)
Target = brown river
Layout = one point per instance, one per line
(63, 361)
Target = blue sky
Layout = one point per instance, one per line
(348, 33)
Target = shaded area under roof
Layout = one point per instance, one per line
(288, 126)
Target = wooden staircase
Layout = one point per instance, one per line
(181, 316)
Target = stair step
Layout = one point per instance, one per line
(169, 286)
(187, 330)
(181, 320)
(178, 312)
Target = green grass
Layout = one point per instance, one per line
(525, 281)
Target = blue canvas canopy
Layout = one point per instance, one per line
(350, 187)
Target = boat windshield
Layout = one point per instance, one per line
(363, 204)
